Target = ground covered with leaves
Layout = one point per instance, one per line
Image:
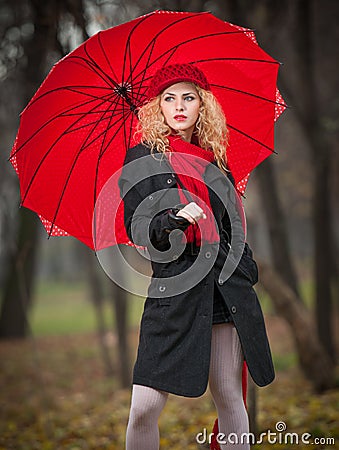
(55, 396)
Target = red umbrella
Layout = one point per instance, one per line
(74, 133)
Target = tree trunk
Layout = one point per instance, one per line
(311, 39)
(275, 217)
(276, 223)
(313, 359)
(120, 302)
(323, 251)
(308, 17)
(19, 283)
(18, 286)
(97, 299)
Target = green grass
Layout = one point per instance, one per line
(284, 361)
(64, 308)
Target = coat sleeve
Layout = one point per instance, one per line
(146, 226)
(233, 236)
(233, 224)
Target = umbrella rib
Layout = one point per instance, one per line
(130, 133)
(94, 122)
(62, 194)
(153, 40)
(119, 119)
(114, 135)
(84, 145)
(99, 157)
(86, 125)
(122, 119)
(113, 124)
(250, 94)
(128, 51)
(94, 67)
(236, 59)
(51, 120)
(124, 127)
(138, 97)
(105, 54)
(47, 153)
(75, 89)
(102, 152)
(173, 49)
(99, 68)
(144, 72)
(150, 44)
(129, 39)
(251, 138)
(104, 112)
(69, 88)
(140, 83)
(104, 148)
(71, 114)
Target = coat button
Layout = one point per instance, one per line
(233, 309)
(150, 197)
(169, 181)
(221, 282)
(162, 288)
(208, 255)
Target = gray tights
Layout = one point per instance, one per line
(225, 386)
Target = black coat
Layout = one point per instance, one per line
(175, 334)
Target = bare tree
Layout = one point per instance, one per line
(310, 90)
(18, 286)
(119, 299)
(314, 361)
(305, 94)
(311, 51)
(97, 297)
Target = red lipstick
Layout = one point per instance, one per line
(180, 117)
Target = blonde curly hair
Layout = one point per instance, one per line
(210, 128)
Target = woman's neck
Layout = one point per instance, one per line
(185, 135)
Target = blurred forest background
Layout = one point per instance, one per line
(68, 335)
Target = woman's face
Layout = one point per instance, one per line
(180, 105)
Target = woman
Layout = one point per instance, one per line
(196, 328)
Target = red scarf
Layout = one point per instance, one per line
(189, 163)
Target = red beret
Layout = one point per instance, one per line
(176, 73)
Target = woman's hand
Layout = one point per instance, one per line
(192, 212)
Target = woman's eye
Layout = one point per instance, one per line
(189, 98)
(168, 99)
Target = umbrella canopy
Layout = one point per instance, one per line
(74, 133)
